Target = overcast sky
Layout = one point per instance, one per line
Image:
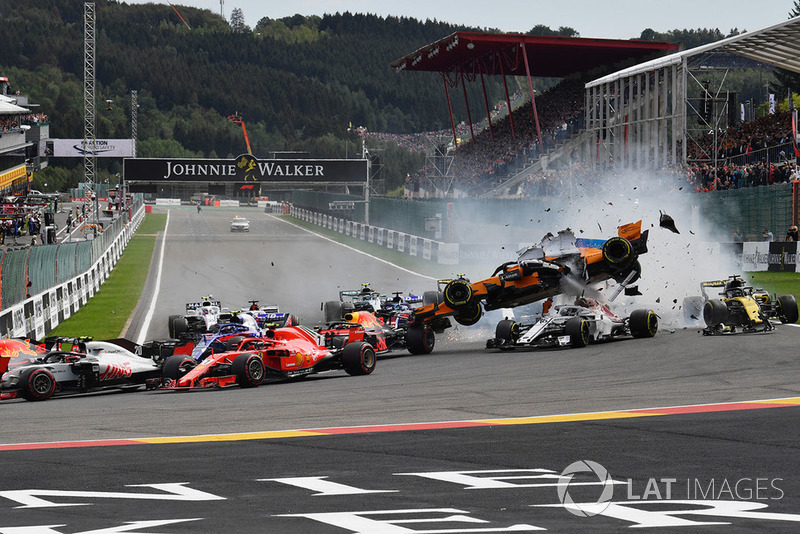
(614, 19)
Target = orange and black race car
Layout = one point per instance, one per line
(541, 271)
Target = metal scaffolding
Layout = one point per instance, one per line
(645, 116)
(89, 117)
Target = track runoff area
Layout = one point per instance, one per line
(150, 462)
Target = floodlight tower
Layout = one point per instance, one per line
(134, 118)
(88, 92)
(88, 95)
(221, 8)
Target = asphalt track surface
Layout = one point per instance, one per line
(456, 441)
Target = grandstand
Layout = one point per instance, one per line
(649, 115)
(23, 136)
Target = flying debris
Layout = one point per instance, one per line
(667, 222)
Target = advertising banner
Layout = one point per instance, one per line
(245, 168)
(755, 256)
(783, 256)
(100, 148)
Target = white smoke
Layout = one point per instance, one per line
(594, 206)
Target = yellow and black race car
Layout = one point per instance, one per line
(539, 273)
(741, 307)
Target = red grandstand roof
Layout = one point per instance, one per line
(472, 52)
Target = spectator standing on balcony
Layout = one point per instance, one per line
(792, 234)
(767, 235)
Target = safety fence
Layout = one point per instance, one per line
(44, 285)
(420, 247)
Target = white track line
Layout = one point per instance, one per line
(354, 249)
(150, 311)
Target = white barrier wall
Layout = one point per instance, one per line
(38, 315)
(427, 249)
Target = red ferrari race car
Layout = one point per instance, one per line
(287, 352)
(541, 271)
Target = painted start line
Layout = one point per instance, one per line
(282, 434)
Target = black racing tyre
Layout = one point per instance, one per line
(179, 326)
(420, 339)
(37, 384)
(171, 325)
(232, 343)
(577, 328)
(358, 358)
(332, 311)
(636, 267)
(787, 309)
(643, 323)
(618, 252)
(507, 330)
(468, 316)
(458, 294)
(715, 312)
(177, 366)
(432, 297)
(248, 367)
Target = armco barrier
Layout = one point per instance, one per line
(426, 249)
(42, 308)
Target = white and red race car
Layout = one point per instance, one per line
(38, 371)
(577, 325)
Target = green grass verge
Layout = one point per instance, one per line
(106, 313)
(779, 283)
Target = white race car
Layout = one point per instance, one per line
(577, 325)
(60, 366)
(199, 318)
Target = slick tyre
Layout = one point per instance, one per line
(358, 358)
(38, 384)
(248, 368)
(577, 329)
(636, 269)
(618, 252)
(332, 310)
(787, 309)
(420, 339)
(507, 331)
(177, 366)
(715, 312)
(179, 327)
(171, 325)
(469, 315)
(643, 323)
(458, 294)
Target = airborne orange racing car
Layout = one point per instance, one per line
(541, 271)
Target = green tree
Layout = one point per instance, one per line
(237, 21)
